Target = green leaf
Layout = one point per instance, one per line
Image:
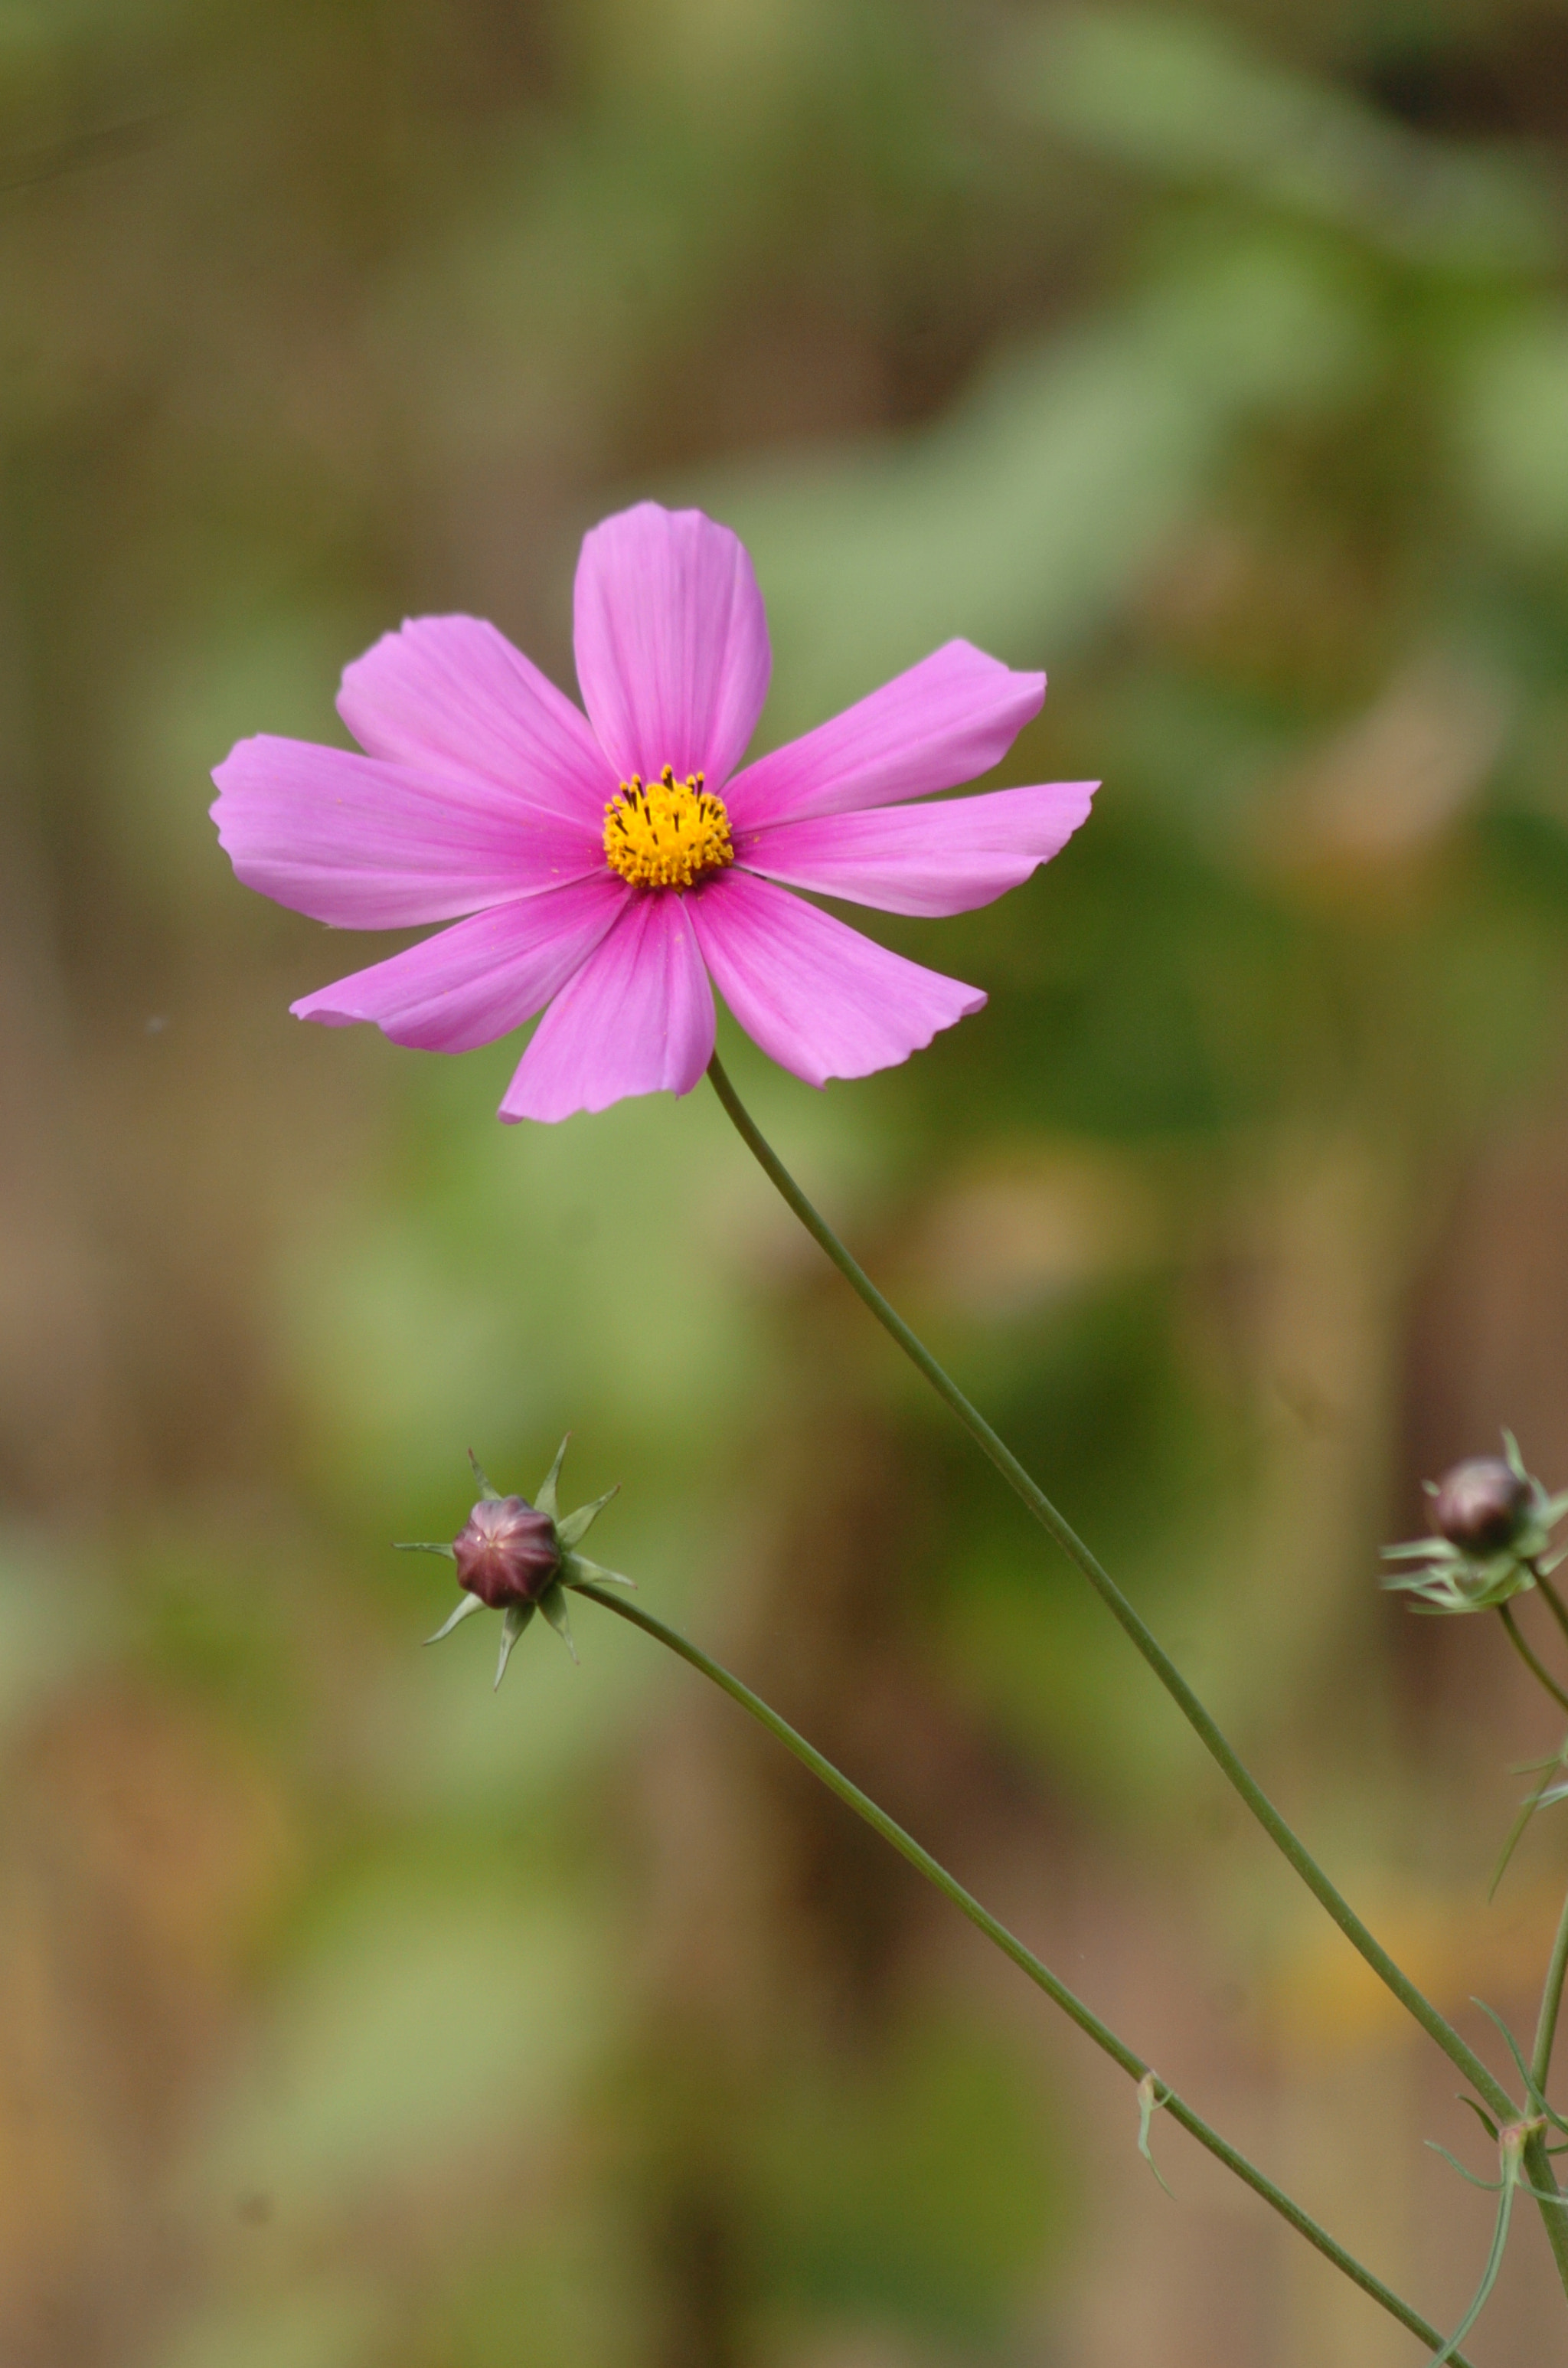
(1149, 2102)
(1488, 2275)
(1491, 2185)
(1532, 2093)
(1483, 2117)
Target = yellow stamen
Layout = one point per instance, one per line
(667, 836)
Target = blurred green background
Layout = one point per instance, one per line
(353, 2017)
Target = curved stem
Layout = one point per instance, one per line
(1536, 1668)
(1024, 1958)
(1412, 2000)
(1554, 1603)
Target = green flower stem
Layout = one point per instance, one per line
(1024, 1959)
(1536, 1669)
(1555, 1605)
(1554, 2217)
(1550, 2004)
(1537, 2162)
(1164, 1669)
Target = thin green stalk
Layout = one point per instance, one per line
(1024, 1958)
(1536, 1668)
(1550, 2004)
(1554, 1603)
(1412, 2000)
(1554, 2217)
(1537, 2162)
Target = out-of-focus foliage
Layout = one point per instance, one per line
(353, 2017)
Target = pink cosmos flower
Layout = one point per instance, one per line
(615, 866)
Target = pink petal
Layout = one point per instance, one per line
(940, 858)
(451, 695)
(672, 643)
(479, 979)
(369, 846)
(637, 1019)
(822, 999)
(948, 719)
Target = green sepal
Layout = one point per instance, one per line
(552, 1603)
(545, 1500)
(577, 1524)
(579, 1569)
(471, 1603)
(418, 1545)
(514, 1619)
(491, 1493)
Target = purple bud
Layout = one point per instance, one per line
(1481, 1504)
(505, 1552)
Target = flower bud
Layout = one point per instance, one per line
(506, 1553)
(1493, 1525)
(1481, 1505)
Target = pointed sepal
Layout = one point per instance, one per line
(471, 1603)
(421, 1545)
(581, 1569)
(546, 1499)
(577, 1525)
(552, 1603)
(514, 1619)
(486, 1488)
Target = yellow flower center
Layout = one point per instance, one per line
(666, 836)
